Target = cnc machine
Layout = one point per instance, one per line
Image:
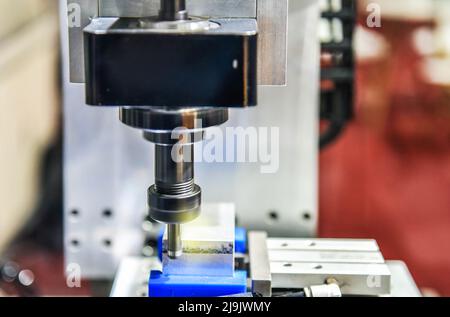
(145, 80)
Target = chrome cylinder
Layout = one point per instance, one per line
(174, 244)
(173, 10)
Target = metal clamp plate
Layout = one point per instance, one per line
(357, 265)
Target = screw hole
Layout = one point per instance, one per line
(75, 213)
(273, 216)
(284, 245)
(107, 213)
(288, 265)
(107, 243)
(318, 267)
(307, 216)
(75, 245)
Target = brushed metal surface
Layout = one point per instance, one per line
(354, 279)
(272, 19)
(259, 264)
(326, 256)
(357, 265)
(79, 14)
(323, 245)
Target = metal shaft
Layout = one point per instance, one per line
(173, 10)
(174, 199)
(174, 244)
(174, 173)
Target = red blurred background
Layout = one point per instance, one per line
(388, 176)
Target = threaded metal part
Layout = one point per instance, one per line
(175, 189)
